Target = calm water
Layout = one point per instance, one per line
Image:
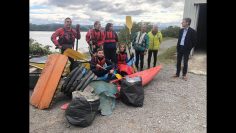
(44, 37)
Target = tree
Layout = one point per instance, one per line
(125, 37)
(171, 31)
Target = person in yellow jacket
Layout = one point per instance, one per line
(155, 39)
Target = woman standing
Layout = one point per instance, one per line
(110, 42)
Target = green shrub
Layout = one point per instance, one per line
(38, 49)
(171, 31)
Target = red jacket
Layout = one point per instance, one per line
(60, 32)
(97, 36)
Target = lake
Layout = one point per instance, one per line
(44, 37)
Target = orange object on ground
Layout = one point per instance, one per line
(48, 81)
(125, 68)
(147, 75)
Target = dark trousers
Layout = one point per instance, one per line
(139, 55)
(150, 52)
(110, 52)
(182, 53)
(95, 49)
(72, 62)
(102, 72)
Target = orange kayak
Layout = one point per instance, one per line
(48, 81)
(147, 75)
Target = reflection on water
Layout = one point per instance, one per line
(44, 37)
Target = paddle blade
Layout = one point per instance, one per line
(38, 65)
(129, 23)
(74, 54)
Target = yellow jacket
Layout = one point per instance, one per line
(154, 41)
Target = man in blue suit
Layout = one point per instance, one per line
(186, 41)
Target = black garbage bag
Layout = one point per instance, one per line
(131, 92)
(81, 112)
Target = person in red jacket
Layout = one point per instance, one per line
(110, 42)
(100, 66)
(122, 59)
(66, 39)
(95, 38)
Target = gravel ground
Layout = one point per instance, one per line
(170, 106)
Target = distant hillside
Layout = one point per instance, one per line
(53, 27)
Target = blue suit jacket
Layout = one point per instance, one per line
(190, 39)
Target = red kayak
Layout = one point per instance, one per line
(146, 75)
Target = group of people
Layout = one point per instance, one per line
(103, 47)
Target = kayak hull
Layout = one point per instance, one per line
(48, 81)
(147, 75)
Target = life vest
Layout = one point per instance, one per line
(67, 38)
(96, 35)
(100, 62)
(122, 58)
(140, 38)
(109, 36)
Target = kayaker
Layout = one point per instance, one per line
(140, 44)
(95, 37)
(186, 41)
(66, 38)
(100, 66)
(122, 59)
(155, 39)
(110, 42)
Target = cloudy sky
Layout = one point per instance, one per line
(85, 12)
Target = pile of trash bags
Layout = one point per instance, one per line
(82, 109)
(91, 96)
(131, 92)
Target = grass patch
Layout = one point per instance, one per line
(168, 56)
(166, 38)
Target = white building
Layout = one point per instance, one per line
(197, 10)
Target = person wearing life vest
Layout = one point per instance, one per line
(110, 42)
(122, 59)
(95, 37)
(100, 66)
(155, 39)
(140, 44)
(66, 39)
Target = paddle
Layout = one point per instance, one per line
(79, 56)
(76, 55)
(129, 25)
(118, 76)
(90, 43)
(78, 35)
